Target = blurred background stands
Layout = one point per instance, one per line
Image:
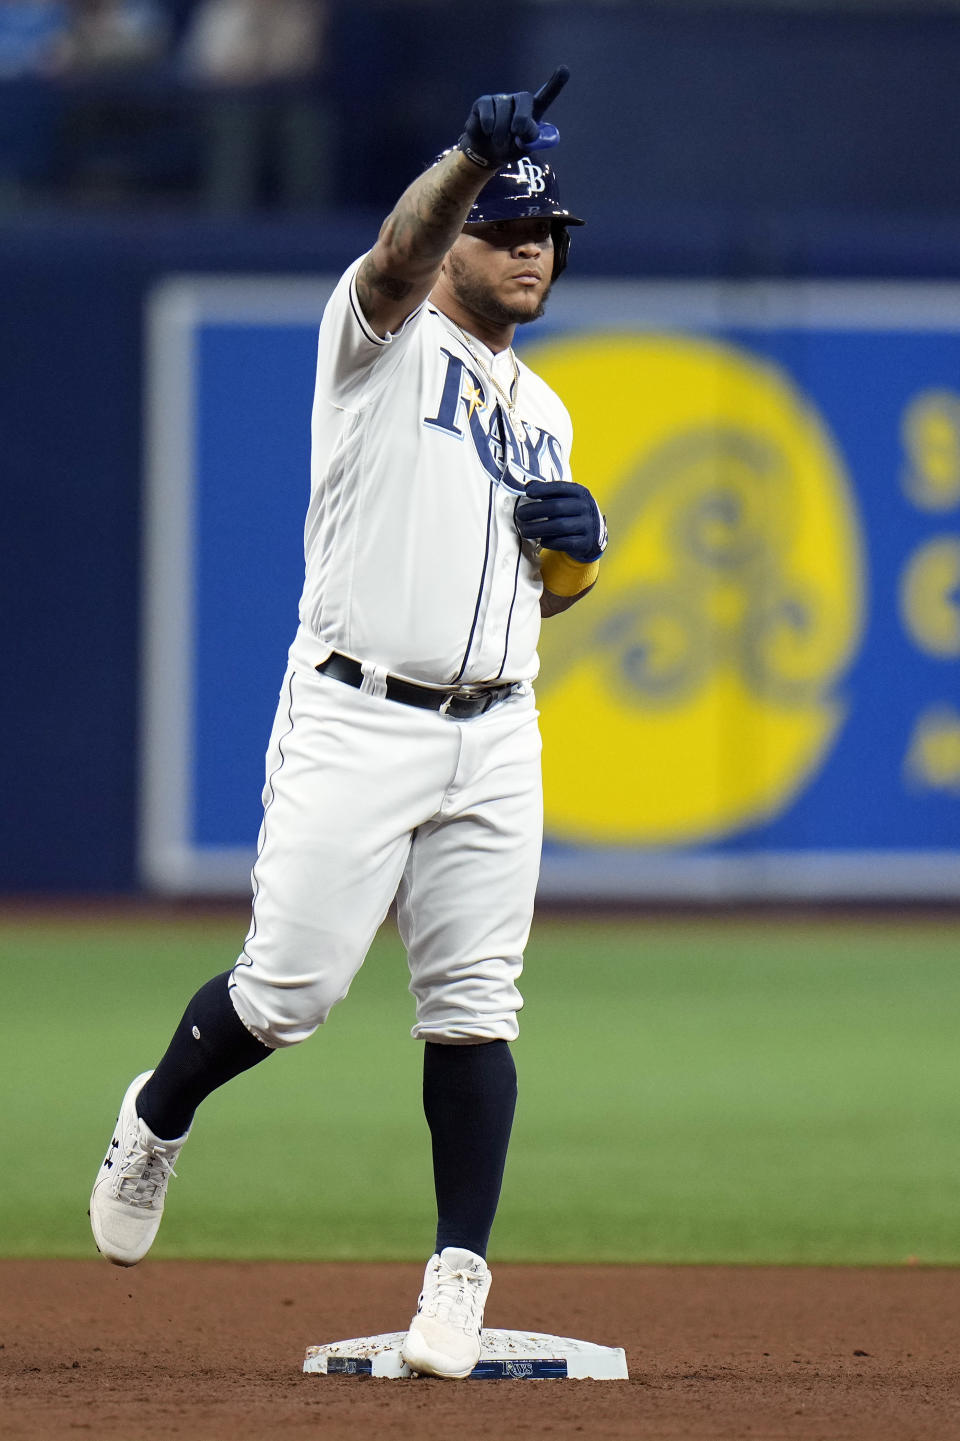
(265, 127)
(718, 108)
(133, 103)
(29, 33)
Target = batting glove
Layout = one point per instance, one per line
(562, 515)
(503, 127)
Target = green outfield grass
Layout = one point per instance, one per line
(691, 1090)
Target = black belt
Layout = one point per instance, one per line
(461, 702)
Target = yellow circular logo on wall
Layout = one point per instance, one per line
(694, 692)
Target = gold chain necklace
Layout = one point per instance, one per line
(512, 399)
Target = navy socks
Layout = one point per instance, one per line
(469, 1097)
(211, 1045)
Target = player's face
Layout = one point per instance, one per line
(501, 270)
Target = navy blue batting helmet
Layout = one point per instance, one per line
(526, 188)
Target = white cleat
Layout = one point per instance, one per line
(126, 1205)
(444, 1335)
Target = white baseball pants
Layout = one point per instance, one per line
(368, 799)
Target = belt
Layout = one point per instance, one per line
(461, 703)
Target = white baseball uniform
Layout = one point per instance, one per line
(422, 442)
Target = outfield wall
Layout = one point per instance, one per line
(759, 701)
(729, 149)
(877, 369)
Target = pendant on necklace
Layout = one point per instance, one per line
(512, 402)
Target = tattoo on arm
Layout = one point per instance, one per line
(402, 267)
(370, 278)
(428, 216)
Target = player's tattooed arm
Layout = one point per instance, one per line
(400, 271)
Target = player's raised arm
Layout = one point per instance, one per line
(399, 272)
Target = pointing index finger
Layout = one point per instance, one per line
(548, 93)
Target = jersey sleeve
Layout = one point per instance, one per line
(351, 357)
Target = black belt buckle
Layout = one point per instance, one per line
(472, 701)
(463, 704)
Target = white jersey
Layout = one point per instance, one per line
(422, 442)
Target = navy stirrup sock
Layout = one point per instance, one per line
(469, 1097)
(211, 1045)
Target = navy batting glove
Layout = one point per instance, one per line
(562, 515)
(503, 127)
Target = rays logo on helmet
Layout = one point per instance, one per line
(521, 191)
(531, 175)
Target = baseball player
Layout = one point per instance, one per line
(405, 755)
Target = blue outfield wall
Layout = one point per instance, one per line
(762, 698)
(725, 148)
(71, 377)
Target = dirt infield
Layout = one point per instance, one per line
(209, 1351)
